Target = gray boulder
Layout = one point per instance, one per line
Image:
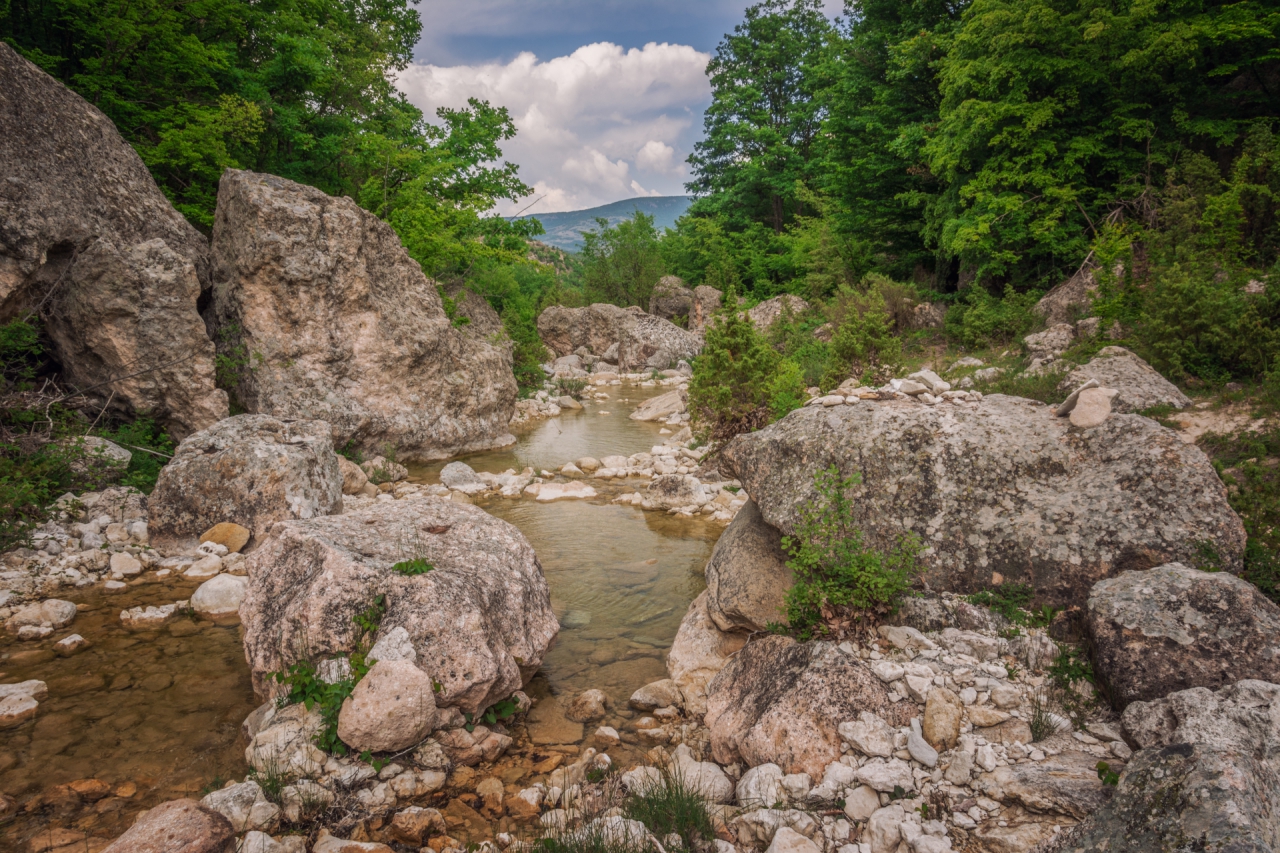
(1139, 385)
(778, 701)
(671, 299)
(764, 315)
(1000, 487)
(652, 343)
(338, 323)
(1205, 777)
(1071, 299)
(88, 237)
(252, 470)
(1052, 342)
(706, 302)
(1172, 628)
(747, 575)
(479, 622)
(597, 327)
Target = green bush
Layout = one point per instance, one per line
(982, 320)
(864, 346)
(729, 391)
(840, 580)
(786, 390)
(139, 437)
(672, 806)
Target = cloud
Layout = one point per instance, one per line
(596, 126)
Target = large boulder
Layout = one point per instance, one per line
(1205, 777)
(1000, 487)
(1172, 628)
(662, 407)
(671, 300)
(88, 238)
(1052, 342)
(478, 622)
(1139, 385)
(253, 470)
(178, 826)
(652, 343)
(764, 315)
(482, 320)
(706, 302)
(699, 652)
(778, 701)
(334, 321)
(596, 327)
(1071, 299)
(747, 575)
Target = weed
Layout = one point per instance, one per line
(215, 784)
(272, 780)
(841, 582)
(1042, 722)
(376, 763)
(571, 387)
(1012, 671)
(370, 618)
(417, 566)
(1007, 599)
(672, 805)
(306, 687)
(351, 453)
(498, 711)
(1042, 386)
(1106, 775)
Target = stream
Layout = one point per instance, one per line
(158, 716)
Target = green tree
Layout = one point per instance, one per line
(864, 346)
(622, 263)
(763, 123)
(730, 390)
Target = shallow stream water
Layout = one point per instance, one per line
(157, 715)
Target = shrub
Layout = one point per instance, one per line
(729, 391)
(570, 386)
(306, 686)
(982, 320)
(786, 390)
(151, 448)
(864, 347)
(841, 582)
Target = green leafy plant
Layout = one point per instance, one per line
(409, 568)
(570, 386)
(370, 618)
(729, 393)
(1007, 599)
(306, 687)
(841, 582)
(373, 761)
(981, 319)
(499, 711)
(864, 346)
(1106, 775)
(1042, 723)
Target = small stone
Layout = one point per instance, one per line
(607, 736)
(68, 646)
(861, 803)
(588, 706)
(919, 748)
(787, 840)
(1092, 407)
(983, 716)
(869, 734)
(125, 565)
(228, 534)
(204, 568)
(16, 710)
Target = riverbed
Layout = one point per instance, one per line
(157, 716)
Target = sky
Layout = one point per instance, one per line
(607, 95)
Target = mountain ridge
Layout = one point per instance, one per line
(565, 228)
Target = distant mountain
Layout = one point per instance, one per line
(564, 230)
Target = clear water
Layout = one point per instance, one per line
(161, 712)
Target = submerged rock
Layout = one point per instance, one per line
(344, 327)
(178, 825)
(480, 619)
(778, 701)
(1172, 628)
(85, 225)
(253, 470)
(1001, 487)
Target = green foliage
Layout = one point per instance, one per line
(622, 263)
(20, 353)
(786, 389)
(370, 618)
(572, 387)
(410, 568)
(765, 118)
(864, 346)
(730, 389)
(139, 437)
(839, 579)
(306, 687)
(1042, 723)
(1106, 775)
(981, 320)
(1010, 600)
(1248, 464)
(669, 806)
(1038, 386)
(500, 711)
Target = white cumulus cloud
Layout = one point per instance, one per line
(596, 126)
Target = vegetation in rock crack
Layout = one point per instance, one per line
(369, 619)
(409, 568)
(499, 711)
(1076, 689)
(843, 585)
(1042, 722)
(1013, 601)
(306, 687)
(671, 806)
(1248, 464)
(383, 473)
